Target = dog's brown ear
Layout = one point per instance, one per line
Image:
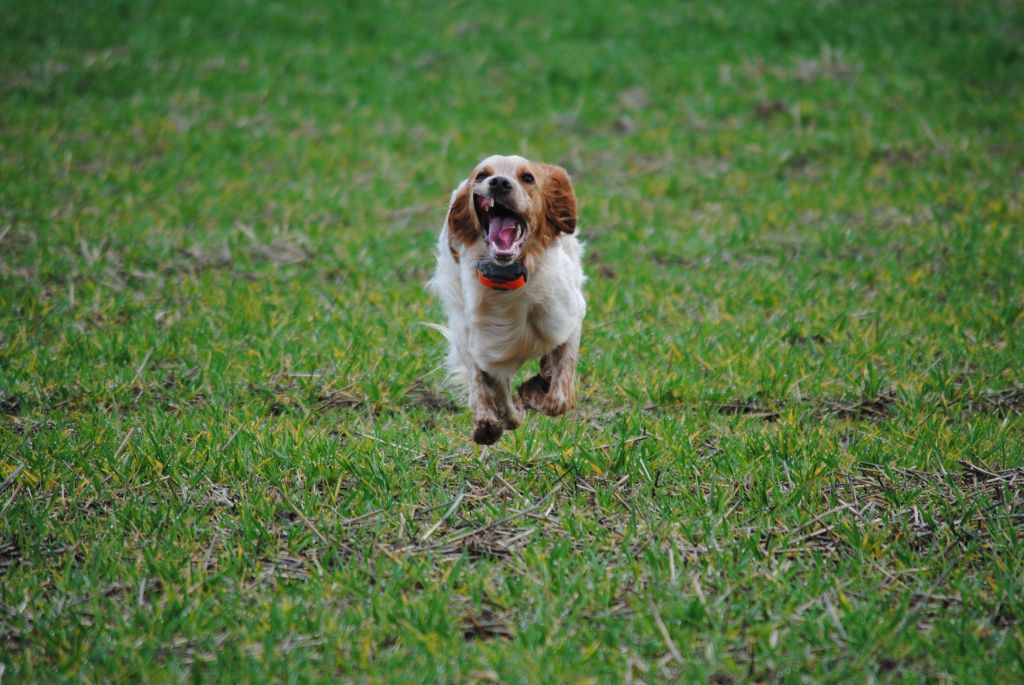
(559, 200)
(462, 223)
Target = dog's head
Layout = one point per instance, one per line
(517, 207)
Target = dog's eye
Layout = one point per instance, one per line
(527, 177)
(481, 176)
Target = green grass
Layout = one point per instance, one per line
(799, 450)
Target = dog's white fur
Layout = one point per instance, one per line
(492, 333)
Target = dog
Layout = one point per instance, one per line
(510, 278)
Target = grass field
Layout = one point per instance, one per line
(226, 450)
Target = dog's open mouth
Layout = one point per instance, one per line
(504, 230)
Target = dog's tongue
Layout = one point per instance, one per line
(502, 232)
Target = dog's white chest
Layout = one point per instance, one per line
(509, 328)
(505, 337)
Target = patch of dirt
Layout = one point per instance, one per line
(1000, 403)
(766, 109)
(432, 400)
(11, 553)
(286, 391)
(870, 495)
(10, 404)
(488, 621)
(194, 260)
(417, 274)
(284, 566)
(750, 408)
(799, 339)
(329, 398)
(874, 409)
(662, 258)
(800, 166)
(281, 252)
(1009, 401)
(898, 154)
(29, 427)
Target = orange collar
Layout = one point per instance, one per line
(514, 284)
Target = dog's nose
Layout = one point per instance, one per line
(502, 184)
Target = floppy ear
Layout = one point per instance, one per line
(559, 200)
(462, 223)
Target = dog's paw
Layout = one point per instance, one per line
(538, 395)
(555, 404)
(486, 431)
(533, 391)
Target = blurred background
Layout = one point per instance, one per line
(726, 154)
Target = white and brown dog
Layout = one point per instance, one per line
(510, 278)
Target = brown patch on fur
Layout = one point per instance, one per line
(487, 427)
(564, 397)
(558, 210)
(463, 226)
(533, 391)
(559, 200)
(553, 390)
(487, 382)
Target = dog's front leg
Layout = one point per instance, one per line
(510, 409)
(553, 390)
(485, 402)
